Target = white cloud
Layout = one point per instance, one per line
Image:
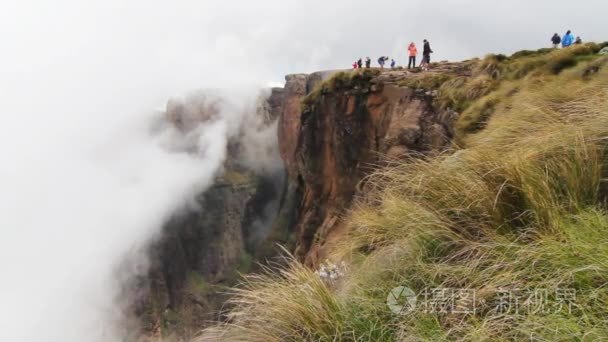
(83, 181)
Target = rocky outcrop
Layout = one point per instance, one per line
(274, 104)
(329, 147)
(297, 86)
(289, 120)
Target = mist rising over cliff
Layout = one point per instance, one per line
(84, 179)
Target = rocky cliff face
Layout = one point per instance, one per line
(332, 130)
(343, 133)
(203, 248)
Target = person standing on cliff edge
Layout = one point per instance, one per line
(368, 62)
(426, 55)
(382, 60)
(412, 52)
(556, 40)
(567, 39)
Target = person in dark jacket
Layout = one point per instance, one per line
(393, 64)
(382, 60)
(556, 40)
(360, 63)
(578, 41)
(426, 55)
(368, 62)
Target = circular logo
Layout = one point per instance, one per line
(401, 300)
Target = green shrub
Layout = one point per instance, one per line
(490, 65)
(556, 65)
(544, 51)
(531, 53)
(458, 92)
(524, 53)
(196, 285)
(245, 263)
(342, 80)
(475, 117)
(426, 81)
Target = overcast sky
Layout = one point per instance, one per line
(82, 180)
(187, 43)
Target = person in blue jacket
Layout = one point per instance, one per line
(382, 60)
(567, 39)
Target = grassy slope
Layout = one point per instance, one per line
(519, 206)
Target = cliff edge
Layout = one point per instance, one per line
(337, 127)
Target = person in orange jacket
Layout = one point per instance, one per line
(412, 51)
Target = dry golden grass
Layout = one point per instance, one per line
(515, 75)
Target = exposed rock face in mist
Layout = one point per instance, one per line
(203, 248)
(274, 104)
(328, 149)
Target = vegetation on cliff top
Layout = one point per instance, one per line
(352, 80)
(521, 211)
(484, 84)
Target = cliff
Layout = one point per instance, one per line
(335, 128)
(203, 248)
(502, 237)
(336, 131)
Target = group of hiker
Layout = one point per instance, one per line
(567, 40)
(368, 62)
(412, 53)
(426, 55)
